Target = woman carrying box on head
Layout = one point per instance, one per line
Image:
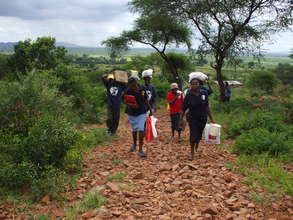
(196, 102)
(175, 99)
(136, 99)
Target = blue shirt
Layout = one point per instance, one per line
(151, 94)
(114, 93)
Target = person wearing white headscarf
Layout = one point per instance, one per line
(147, 75)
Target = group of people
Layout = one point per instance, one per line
(140, 103)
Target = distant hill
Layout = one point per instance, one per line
(79, 50)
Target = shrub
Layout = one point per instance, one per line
(284, 73)
(263, 80)
(235, 104)
(260, 140)
(242, 122)
(14, 175)
(48, 141)
(49, 182)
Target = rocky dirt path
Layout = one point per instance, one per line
(165, 185)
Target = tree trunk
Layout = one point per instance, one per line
(173, 70)
(218, 68)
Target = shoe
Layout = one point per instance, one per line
(141, 153)
(132, 148)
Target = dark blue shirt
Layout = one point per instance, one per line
(114, 93)
(197, 104)
(152, 94)
(141, 99)
(206, 89)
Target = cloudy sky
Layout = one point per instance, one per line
(82, 22)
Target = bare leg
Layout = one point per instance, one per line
(196, 146)
(192, 144)
(134, 136)
(141, 136)
(179, 135)
(173, 133)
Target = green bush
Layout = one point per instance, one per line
(234, 104)
(260, 140)
(48, 141)
(162, 86)
(14, 175)
(242, 122)
(263, 80)
(284, 73)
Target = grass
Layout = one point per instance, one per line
(127, 187)
(42, 217)
(262, 170)
(116, 177)
(260, 199)
(88, 202)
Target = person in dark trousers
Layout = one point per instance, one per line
(175, 99)
(196, 102)
(136, 99)
(228, 92)
(114, 94)
(151, 91)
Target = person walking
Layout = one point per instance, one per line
(197, 104)
(228, 92)
(175, 99)
(150, 89)
(114, 94)
(136, 99)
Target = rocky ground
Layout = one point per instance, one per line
(165, 185)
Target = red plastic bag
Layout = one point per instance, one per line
(148, 130)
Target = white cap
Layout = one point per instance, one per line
(148, 73)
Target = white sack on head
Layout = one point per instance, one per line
(148, 73)
(198, 75)
(134, 74)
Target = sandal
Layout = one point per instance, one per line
(132, 148)
(141, 153)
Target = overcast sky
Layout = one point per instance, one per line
(82, 22)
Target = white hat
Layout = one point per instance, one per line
(198, 75)
(134, 74)
(147, 73)
(174, 86)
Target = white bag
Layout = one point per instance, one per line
(198, 75)
(212, 134)
(154, 121)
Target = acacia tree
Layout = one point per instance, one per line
(228, 28)
(158, 31)
(41, 54)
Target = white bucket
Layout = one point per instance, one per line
(215, 129)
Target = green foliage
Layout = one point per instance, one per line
(116, 176)
(181, 63)
(265, 171)
(41, 54)
(242, 122)
(88, 202)
(235, 104)
(284, 73)
(260, 140)
(4, 67)
(14, 175)
(50, 181)
(162, 86)
(263, 80)
(48, 141)
(88, 98)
